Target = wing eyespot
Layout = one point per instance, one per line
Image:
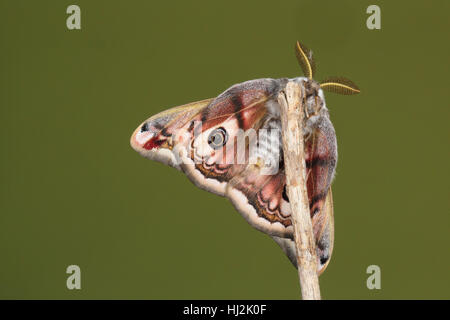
(218, 138)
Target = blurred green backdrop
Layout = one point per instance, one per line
(74, 192)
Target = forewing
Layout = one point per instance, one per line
(239, 110)
(155, 138)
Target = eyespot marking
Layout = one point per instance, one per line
(218, 138)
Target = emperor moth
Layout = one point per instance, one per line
(199, 139)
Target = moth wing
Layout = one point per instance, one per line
(240, 109)
(255, 189)
(288, 247)
(154, 138)
(324, 240)
(259, 199)
(171, 119)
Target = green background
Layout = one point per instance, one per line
(74, 192)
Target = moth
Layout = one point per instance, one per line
(199, 139)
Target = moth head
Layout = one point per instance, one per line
(339, 85)
(314, 97)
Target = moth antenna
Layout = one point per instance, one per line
(305, 59)
(339, 85)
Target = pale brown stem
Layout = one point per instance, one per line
(292, 117)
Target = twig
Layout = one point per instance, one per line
(292, 115)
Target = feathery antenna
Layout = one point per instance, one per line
(339, 85)
(305, 59)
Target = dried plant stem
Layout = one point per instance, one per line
(292, 115)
